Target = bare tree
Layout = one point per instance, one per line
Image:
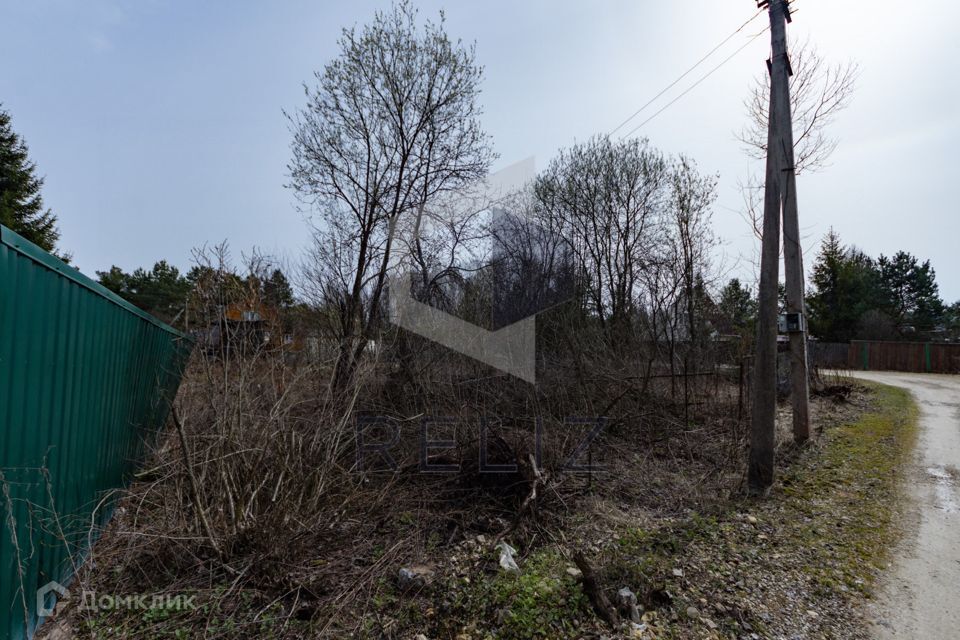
(692, 196)
(531, 261)
(610, 200)
(638, 226)
(391, 123)
(818, 92)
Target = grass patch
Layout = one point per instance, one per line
(542, 601)
(844, 498)
(815, 545)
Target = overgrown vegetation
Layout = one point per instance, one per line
(799, 563)
(665, 519)
(328, 474)
(164, 292)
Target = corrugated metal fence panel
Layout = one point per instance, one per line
(86, 379)
(918, 357)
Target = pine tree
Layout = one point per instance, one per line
(911, 290)
(737, 307)
(161, 291)
(21, 207)
(845, 288)
(277, 291)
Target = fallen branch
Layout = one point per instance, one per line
(539, 479)
(591, 586)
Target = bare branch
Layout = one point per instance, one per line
(818, 93)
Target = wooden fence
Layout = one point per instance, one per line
(919, 357)
(828, 355)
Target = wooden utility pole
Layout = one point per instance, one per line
(780, 197)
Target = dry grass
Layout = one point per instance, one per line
(254, 503)
(299, 544)
(266, 520)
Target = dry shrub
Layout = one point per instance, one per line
(262, 492)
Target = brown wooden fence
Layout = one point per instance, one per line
(828, 355)
(919, 357)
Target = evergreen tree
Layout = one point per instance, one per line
(277, 291)
(737, 307)
(21, 206)
(115, 280)
(911, 291)
(162, 291)
(855, 296)
(846, 287)
(216, 285)
(952, 321)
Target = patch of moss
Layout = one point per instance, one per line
(542, 601)
(842, 499)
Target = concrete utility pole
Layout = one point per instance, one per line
(780, 196)
(792, 251)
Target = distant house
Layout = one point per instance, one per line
(242, 328)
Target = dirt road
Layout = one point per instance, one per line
(921, 595)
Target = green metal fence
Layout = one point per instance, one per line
(86, 379)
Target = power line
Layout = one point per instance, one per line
(687, 72)
(695, 84)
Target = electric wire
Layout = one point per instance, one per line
(695, 84)
(687, 72)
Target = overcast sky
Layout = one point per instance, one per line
(158, 123)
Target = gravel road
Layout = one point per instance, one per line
(920, 598)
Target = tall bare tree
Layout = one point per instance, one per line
(638, 225)
(692, 196)
(391, 123)
(819, 91)
(610, 200)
